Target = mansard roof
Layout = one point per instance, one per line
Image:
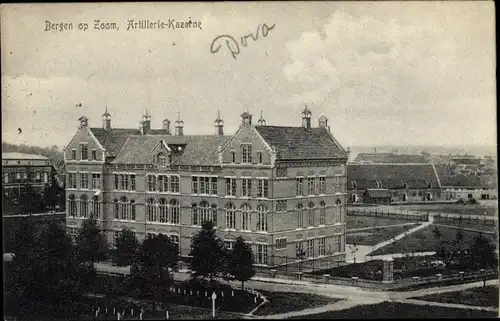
(390, 158)
(378, 193)
(113, 139)
(301, 143)
(392, 176)
(462, 181)
(197, 149)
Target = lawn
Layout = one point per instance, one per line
(424, 240)
(394, 310)
(283, 302)
(472, 224)
(404, 268)
(376, 235)
(482, 296)
(356, 221)
(188, 293)
(469, 209)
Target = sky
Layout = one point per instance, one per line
(383, 73)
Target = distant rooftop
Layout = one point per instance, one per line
(15, 155)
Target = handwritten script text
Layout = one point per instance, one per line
(234, 46)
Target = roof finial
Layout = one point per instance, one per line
(261, 114)
(218, 113)
(178, 115)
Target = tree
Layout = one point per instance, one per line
(151, 273)
(437, 236)
(91, 245)
(241, 260)
(50, 196)
(207, 252)
(483, 254)
(44, 277)
(126, 248)
(31, 200)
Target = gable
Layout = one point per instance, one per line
(85, 136)
(248, 136)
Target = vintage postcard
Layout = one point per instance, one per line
(249, 160)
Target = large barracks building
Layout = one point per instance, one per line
(282, 188)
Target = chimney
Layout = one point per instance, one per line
(306, 118)
(323, 122)
(146, 123)
(219, 125)
(246, 119)
(106, 120)
(84, 121)
(166, 125)
(179, 126)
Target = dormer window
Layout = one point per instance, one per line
(379, 184)
(73, 154)
(84, 151)
(246, 153)
(162, 160)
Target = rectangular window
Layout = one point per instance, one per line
(165, 183)
(132, 182)
(94, 154)
(117, 182)
(300, 188)
(246, 187)
(338, 179)
(73, 154)
(174, 184)
(321, 246)
(229, 245)
(281, 243)
(72, 180)
(84, 152)
(233, 157)
(263, 189)
(204, 187)
(45, 177)
(124, 182)
(160, 183)
(231, 186)
(246, 153)
(310, 248)
(281, 172)
(96, 181)
(84, 180)
(6, 178)
(261, 254)
(299, 250)
(336, 243)
(215, 189)
(310, 186)
(151, 183)
(194, 185)
(259, 157)
(162, 160)
(38, 177)
(322, 185)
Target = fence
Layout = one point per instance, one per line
(290, 265)
(437, 280)
(470, 219)
(409, 216)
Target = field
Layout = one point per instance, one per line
(283, 302)
(355, 221)
(482, 296)
(476, 209)
(424, 240)
(393, 310)
(376, 235)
